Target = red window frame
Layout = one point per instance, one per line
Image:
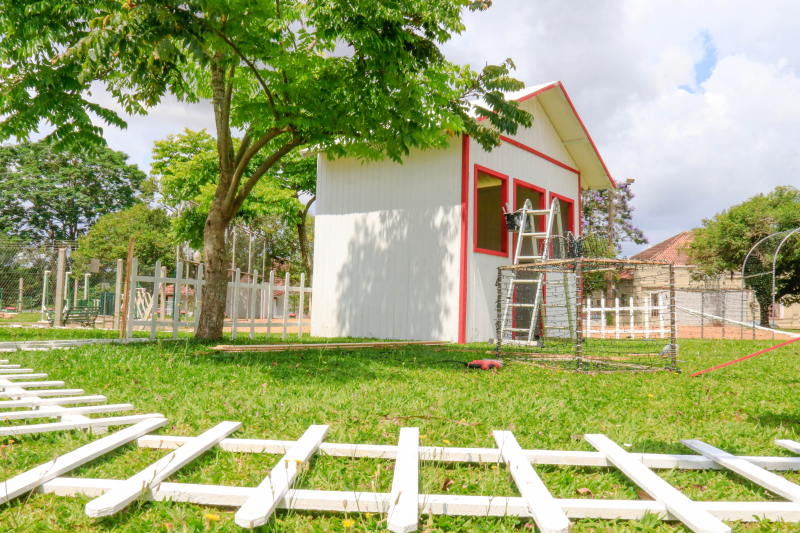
(570, 210)
(503, 201)
(542, 202)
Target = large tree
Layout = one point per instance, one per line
(53, 195)
(364, 78)
(185, 168)
(722, 243)
(108, 240)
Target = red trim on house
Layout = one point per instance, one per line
(462, 280)
(613, 183)
(570, 210)
(580, 213)
(546, 157)
(503, 201)
(542, 203)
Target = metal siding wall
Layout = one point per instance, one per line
(386, 256)
(521, 165)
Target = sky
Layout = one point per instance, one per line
(699, 102)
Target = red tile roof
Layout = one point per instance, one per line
(670, 250)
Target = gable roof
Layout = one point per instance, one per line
(571, 130)
(669, 250)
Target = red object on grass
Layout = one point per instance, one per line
(745, 357)
(485, 364)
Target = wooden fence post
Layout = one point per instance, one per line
(118, 293)
(127, 288)
(59, 301)
(235, 303)
(285, 305)
(270, 292)
(154, 312)
(602, 316)
(133, 279)
(301, 306)
(253, 293)
(616, 316)
(176, 301)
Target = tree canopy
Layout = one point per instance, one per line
(594, 215)
(722, 243)
(108, 240)
(364, 79)
(46, 194)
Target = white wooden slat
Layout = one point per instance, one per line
(439, 504)
(177, 298)
(16, 370)
(38, 402)
(547, 515)
(157, 281)
(8, 377)
(676, 503)
(403, 513)
(235, 303)
(93, 424)
(285, 305)
(301, 307)
(768, 480)
(253, 293)
(154, 474)
(270, 292)
(266, 497)
(3, 361)
(30, 384)
(790, 445)
(54, 411)
(27, 481)
(10, 366)
(40, 393)
(472, 455)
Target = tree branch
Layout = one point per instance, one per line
(245, 160)
(308, 206)
(263, 168)
(245, 144)
(253, 68)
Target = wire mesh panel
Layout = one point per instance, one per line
(588, 314)
(768, 270)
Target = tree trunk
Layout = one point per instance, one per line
(215, 292)
(305, 256)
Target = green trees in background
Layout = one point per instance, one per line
(185, 169)
(108, 239)
(363, 78)
(49, 195)
(721, 244)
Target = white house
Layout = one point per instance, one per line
(411, 251)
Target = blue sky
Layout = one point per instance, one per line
(705, 67)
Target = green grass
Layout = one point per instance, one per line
(362, 395)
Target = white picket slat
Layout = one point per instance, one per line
(27, 481)
(56, 411)
(403, 513)
(265, 499)
(790, 445)
(438, 504)
(285, 305)
(21, 393)
(38, 402)
(93, 424)
(768, 480)
(150, 477)
(676, 503)
(545, 512)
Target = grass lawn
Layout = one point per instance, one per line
(363, 395)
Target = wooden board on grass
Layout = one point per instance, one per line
(320, 346)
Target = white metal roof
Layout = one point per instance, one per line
(573, 134)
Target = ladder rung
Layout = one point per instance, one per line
(517, 330)
(535, 235)
(529, 257)
(554, 327)
(531, 281)
(522, 305)
(538, 212)
(554, 305)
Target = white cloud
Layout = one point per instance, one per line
(622, 62)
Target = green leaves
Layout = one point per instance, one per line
(46, 194)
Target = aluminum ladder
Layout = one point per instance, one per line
(526, 231)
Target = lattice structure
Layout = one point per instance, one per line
(770, 264)
(21, 388)
(577, 326)
(404, 504)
